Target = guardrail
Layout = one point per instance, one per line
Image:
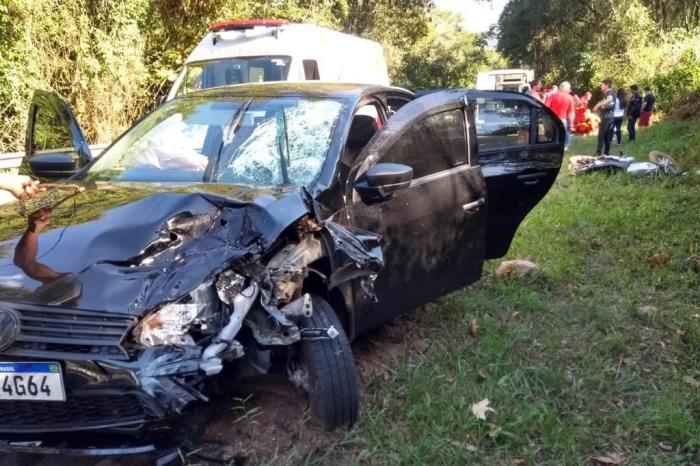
(12, 160)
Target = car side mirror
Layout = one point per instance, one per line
(380, 181)
(54, 166)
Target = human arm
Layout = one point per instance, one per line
(27, 248)
(603, 103)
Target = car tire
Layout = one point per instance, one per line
(331, 371)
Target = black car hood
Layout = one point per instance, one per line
(125, 248)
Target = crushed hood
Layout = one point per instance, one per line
(125, 248)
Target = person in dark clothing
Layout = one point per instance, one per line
(605, 107)
(619, 114)
(647, 108)
(634, 110)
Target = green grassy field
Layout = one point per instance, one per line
(596, 354)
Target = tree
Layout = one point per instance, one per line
(448, 56)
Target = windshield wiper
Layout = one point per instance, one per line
(235, 120)
(284, 166)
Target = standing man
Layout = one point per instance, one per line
(634, 110)
(562, 104)
(605, 107)
(536, 90)
(647, 108)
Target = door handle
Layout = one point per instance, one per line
(473, 207)
(531, 179)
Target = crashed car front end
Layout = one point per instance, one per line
(219, 283)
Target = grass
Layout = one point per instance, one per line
(598, 353)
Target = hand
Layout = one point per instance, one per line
(38, 220)
(20, 186)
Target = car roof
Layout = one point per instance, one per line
(286, 88)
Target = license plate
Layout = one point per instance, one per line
(33, 381)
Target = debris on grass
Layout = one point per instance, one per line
(658, 260)
(515, 268)
(481, 408)
(611, 458)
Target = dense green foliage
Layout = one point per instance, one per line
(648, 42)
(112, 59)
(448, 56)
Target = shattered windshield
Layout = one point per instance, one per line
(256, 141)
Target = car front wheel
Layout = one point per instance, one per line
(332, 376)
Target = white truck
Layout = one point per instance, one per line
(504, 80)
(259, 50)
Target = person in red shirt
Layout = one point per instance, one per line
(562, 104)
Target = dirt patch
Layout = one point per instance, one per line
(377, 353)
(267, 420)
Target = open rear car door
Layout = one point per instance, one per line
(55, 146)
(521, 146)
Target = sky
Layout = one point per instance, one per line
(478, 16)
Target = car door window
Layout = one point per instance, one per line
(394, 104)
(434, 144)
(501, 123)
(546, 128)
(51, 132)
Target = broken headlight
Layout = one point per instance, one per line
(178, 323)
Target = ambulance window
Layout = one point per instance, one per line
(311, 70)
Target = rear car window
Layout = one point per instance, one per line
(546, 128)
(432, 145)
(501, 123)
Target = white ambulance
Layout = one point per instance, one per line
(259, 50)
(504, 80)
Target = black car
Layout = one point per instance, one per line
(244, 230)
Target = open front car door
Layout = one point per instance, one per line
(414, 185)
(55, 146)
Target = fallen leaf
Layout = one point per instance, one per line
(695, 262)
(658, 260)
(467, 446)
(494, 431)
(481, 408)
(691, 381)
(693, 248)
(473, 327)
(647, 309)
(610, 458)
(519, 462)
(666, 446)
(512, 269)
(484, 373)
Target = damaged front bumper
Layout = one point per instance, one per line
(106, 412)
